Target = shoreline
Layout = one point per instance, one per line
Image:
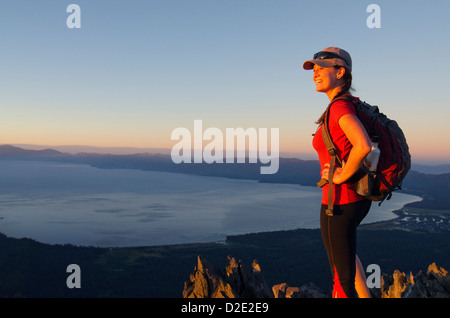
(119, 271)
(413, 219)
(398, 212)
(407, 219)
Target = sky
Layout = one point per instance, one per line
(136, 70)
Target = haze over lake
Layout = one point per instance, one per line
(71, 203)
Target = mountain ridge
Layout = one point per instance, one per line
(9, 150)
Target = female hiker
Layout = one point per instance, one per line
(332, 76)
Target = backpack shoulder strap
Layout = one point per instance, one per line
(333, 153)
(326, 130)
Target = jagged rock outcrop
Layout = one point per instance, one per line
(208, 282)
(235, 282)
(306, 291)
(434, 284)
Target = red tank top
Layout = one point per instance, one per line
(343, 193)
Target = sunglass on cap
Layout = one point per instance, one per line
(324, 55)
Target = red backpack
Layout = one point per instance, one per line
(394, 162)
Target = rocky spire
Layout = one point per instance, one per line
(236, 282)
(208, 282)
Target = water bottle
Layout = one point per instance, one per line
(373, 156)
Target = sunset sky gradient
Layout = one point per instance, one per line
(136, 70)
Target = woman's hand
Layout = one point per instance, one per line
(337, 173)
(357, 135)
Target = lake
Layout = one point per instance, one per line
(77, 204)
